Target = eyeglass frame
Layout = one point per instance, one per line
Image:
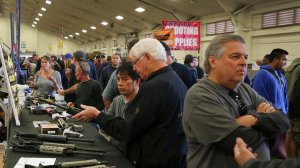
(137, 60)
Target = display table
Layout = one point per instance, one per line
(112, 155)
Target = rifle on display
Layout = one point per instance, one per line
(67, 146)
(70, 110)
(93, 163)
(50, 138)
(54, 150)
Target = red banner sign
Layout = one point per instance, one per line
(187, 34)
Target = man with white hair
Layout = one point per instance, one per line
(152, 126)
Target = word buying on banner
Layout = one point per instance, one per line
(166, 36)
(187, 34)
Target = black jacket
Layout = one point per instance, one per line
(153, 125)
(184, 73)
(290, 163)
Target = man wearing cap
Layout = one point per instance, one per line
(78, 57)
(152, 126)
(182, 71)
(30, 66)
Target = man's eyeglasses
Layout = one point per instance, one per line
(136, 61)
(243, 109)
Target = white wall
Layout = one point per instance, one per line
(35, 40)
(259, 41)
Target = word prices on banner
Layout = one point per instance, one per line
(187, 34)
(166, 36)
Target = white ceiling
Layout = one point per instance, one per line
(70, 16)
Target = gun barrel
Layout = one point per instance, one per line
(82, 163)
(70, 110)
(90, 149)
(73, 147)
(81, 140)
(73, 110)
(51, 103)
(71, 152)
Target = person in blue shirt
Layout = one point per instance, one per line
(271, 83)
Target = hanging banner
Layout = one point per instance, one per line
(166, 36)
(60, 43)
(187, 34)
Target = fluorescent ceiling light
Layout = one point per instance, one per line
(140, 9)
(33, 25)
(34, 22)
(77, 34)
(119, 17)
(93, 27)
(66, 37)
(43, 9)
(104, 23)
(38, 19)
(48, 2)
(71, 35)
(39, 14)
(83, 31)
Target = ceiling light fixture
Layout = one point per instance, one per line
(93, 27)
(83, 31)
(71, 35)
(48, 2)
(140, 9)
(119, 17)
(34, 22)
(104, 23)
(38, 19)
(39, 14)
(66, 37)
(33, 25)
(77, 34)
(43, 9)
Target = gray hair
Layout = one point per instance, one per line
(85, 67)
(216, 48)
(151, 46)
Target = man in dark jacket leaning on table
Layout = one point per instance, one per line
(153, 125)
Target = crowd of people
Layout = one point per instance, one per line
(161, 113)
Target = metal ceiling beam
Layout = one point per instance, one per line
(157, 7)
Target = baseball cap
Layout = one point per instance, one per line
(80, 55)
(68, 56)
